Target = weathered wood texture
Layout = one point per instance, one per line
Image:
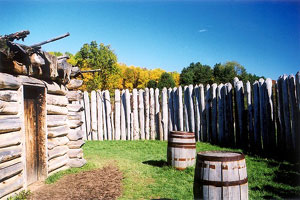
(262, 116)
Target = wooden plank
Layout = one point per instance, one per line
(9, 123)
(123, 117)
(57, 100)
(58, 162)
(256, 117)
(197, 113)
(56, 120)
(215, 175)
(202, 112)
(286, 113)
(220, 99)
(77, 107)
(58, 131)
(87, 114)
(99, 115)
(170, 109)
(8, 81)
(207, 136)
(57, 151)
(180, 109)
(9, 95)
(164, 99)
(269, 141)
(73, 124)
(104, 116)
(75, 153)
(117, 115)
(141, 114)
(75, 144)
(94, 128)
(11, 185)
(293, 106)
(9, 108)
(186, 107)
(10, 153)
(157, 110)
(58, 141)
(250, 113)
(108, 114)
(54, 88)
(74, 84)
(74, 95)
(214, 115)
(128, 111)
(75, 135)
(191, 109)
(241, 137)
(152, 115)
(135, 115)
(175, 109)
(10, 139)
(147, 114)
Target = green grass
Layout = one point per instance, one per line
(147, 177)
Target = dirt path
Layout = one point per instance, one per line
(102, 183)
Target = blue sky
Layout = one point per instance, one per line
(263, 36)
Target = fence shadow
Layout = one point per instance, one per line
(156, 163)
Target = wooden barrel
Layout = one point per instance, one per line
(220, 175)
(181, 150)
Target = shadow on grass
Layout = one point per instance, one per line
(156, 163)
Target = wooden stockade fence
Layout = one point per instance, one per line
(262, 116)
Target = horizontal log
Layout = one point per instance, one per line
(75, 153)
(10, 153)
(57, 151)
(11, 185)
(26, 80)
(57, 141)
(56, 120)
(8, 81)
(56, 110)
(76, 162)
(75, 144)
(10, 163)
(9, 108)
(57, 100)
(9, 124)
(58, 169)
(10, 171)
(9, 95)
(58, 162)
(74, 84)
(74, 123)
(75, 135)
(54, 88)
(75, 116)
(10, 139)
(74, 95)
(58, 131)
(74, 107)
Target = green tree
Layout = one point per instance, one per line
(152, 84)
(166, 80)
(196, 73)
(98, 57)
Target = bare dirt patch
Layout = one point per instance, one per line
(102, 183)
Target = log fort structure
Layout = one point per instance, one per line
(40, 114)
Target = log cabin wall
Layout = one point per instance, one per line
(59, 139)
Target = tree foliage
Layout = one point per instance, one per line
(166, 80)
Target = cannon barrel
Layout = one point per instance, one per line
(48, 41)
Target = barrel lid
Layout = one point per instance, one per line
(181, 133)
(221, 156)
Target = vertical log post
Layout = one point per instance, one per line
(241, 135)
(214, 113)
(221, 96)
(135, 115)
(94, 131)
(202, 113)
(157, 111)
(108, 114)
(191, 113)
(147, 114)
(99, 115)
(180, 109)
(175, 109)
(87, 114)
(128, 111)
(256, 117)
(207, 136)
(165, 112)
(152, 115)
(104, 116)
(197, 113)
(141, 114)
(123, 115)
(250, 113)
(293, 105)
(117, 115)
(170, 109)
(186, 107)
